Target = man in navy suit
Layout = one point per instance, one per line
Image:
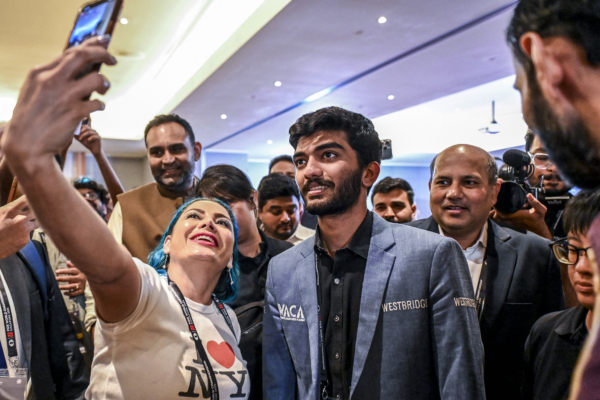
(515, 276)
(365, 309)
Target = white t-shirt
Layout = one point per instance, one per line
(150, 354)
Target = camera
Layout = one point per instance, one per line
(515, 187)
(386, 149)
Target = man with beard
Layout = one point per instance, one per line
(367, 309)
(141, 215)
(544, 220)
(556, 46)
(393, 200)
(515, 276)
(280, 209)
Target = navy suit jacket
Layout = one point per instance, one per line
(416, 285)
(523, 283)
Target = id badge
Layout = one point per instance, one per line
(13, 388)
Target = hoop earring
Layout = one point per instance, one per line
(230, 276)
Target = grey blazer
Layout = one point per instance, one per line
(430, 334)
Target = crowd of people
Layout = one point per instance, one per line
(206, 287)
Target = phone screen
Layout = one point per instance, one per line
(92, 21)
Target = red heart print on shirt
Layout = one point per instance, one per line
(221, 353)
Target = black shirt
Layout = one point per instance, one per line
(551, 353)
(341, 280)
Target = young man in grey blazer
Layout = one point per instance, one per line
(367, 309)
(515, 276)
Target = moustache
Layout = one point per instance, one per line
(318, 181)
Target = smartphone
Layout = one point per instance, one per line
(96, 18)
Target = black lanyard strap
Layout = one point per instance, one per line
(323, 375)
(212, 379)
(9, 327)
(480, 291)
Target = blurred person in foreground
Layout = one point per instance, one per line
(556, 48)
(393, 200)
(255, 250)
(366, 309)
(280, 209)
(556, 339)
(141, 215)
(515, 276)
(143, 317)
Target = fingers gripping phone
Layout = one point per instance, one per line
(96, 18)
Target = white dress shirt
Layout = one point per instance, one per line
(475, 255)
(302, 233)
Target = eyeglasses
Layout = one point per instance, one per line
(567, 253)
(90, 196)
(541, 160)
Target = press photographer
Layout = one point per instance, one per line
(532, 180)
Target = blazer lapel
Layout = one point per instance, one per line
(499, 273)
(433, 225)
(15, 278)
(308, 295)
(377, 273)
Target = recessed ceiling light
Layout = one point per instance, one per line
(124, 21)
(391, 97)
(382, 20)
(277, 83)
(269, 141)
(223, 116)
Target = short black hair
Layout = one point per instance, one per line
(86, 183)
(276, 185)
(529, 137)
(279, 159)
(580, 212)
(388, 184)
(492, 168)
(362, 137)
(576, 20)
(165, 119)
(226, 183)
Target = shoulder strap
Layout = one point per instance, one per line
(30, 252)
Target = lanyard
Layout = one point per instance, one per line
(9, 328)
(210, 373)
(480, 292)
(323, 375)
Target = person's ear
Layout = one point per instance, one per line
(301, 208)
(167, 245)
(495, 190)
(370, 174)
(414, 211)
(230, 263)
(197, 151)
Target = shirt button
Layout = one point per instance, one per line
(336, 318)
(337, 356)
(336, 281)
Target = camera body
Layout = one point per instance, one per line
(515, 187)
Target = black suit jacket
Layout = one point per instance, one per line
(51, 348)
(523, 283)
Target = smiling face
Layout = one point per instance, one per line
(204, 232)
(394, 206)
(581, 274)
(172, 156)
(328, 173)
(461, 196)
(280, 217)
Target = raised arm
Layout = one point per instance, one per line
(93, 142)
(50, 106)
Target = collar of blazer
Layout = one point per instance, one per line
(377, 272)
(500, 269)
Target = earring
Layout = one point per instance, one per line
(230, 276)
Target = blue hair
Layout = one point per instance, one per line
(224, 290)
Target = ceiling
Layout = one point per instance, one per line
(203, 59)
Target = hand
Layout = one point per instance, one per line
(16, 223)
(90, 139)
(52, 103)
(530, 219)
(75, 280)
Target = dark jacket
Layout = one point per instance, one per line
(249, 308)
(51, 348)
(523, 283)
(551, 353)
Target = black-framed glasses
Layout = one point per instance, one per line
(567, 253)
